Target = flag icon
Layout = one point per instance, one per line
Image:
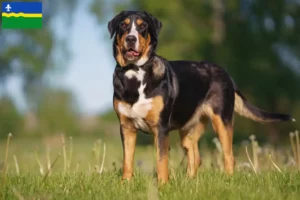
(22, 15)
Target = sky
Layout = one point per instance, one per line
(91, 68)
(89, 72)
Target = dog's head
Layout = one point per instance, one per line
(135, 37)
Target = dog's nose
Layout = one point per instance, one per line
(131, 39)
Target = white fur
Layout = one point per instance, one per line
(141, 61)
(139, 110)
(135, 33)
(138, 74)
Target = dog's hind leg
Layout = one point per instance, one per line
(225, 133)
(189, 141)
(219, 107)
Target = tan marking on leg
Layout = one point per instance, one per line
(128, 136)
(129, 142)
(144, 48)
(189, 141)
(225, 134)
(162, 150)
(161, 144)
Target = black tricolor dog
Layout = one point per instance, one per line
(156, 96)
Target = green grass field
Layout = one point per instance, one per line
(207, 185)
(86, 168)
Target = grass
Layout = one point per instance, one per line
(59, 167)
(207, 185)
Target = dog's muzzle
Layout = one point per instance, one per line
(131, 41)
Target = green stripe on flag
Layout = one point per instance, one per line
(22, 22)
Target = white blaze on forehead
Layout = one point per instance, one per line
(133, 30)
(135, 33)
(139, 110)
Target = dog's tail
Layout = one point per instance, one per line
(246, 109)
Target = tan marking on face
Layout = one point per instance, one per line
(145, 46)
(139, 21)
(127, 21)
(119, 57)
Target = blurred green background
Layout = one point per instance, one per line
(257, 42)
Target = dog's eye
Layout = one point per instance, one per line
(123, 25)
(143, 26)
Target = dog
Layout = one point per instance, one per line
(156, 96)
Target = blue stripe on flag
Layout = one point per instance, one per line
(24, 7)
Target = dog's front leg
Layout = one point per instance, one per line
(161, 137)
(162, 149)
(128, 136)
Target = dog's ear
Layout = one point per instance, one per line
(154, 23)
(112, 24)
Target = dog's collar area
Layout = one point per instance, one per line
(148, 63)
(126, 68)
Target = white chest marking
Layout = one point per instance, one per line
(139, 110)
